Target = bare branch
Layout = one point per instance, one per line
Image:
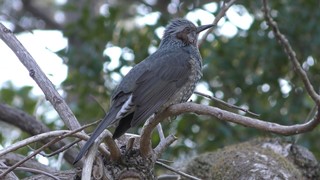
(291, 54)
(32, 126)
(160, 132)
(11, 175)
(33, 170)
(164, 144)
(40, 78)
(225, 6)
(177, 171)
(199, 109)
(113, 148)
(226, 104)
(145, 139)
(63, 148)
(13, 158)
(91, 155)
(61, 134)
(42, 136)
(32, 139)
(38, 150)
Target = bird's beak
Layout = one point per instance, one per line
(204, 27)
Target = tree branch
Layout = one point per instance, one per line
(291, 54)
(12, 158)
(32, 126)
(91, 155)
(34, 139)
(177, 171)
(11, 175)
(199, 109)
(164, 144)
(243, 120)
(226, 104)
(33, 170)
(225, 6)
(113, 148)
(40, 78)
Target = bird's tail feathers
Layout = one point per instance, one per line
(108, 119)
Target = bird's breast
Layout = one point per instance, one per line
(184, 93)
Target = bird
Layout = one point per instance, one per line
(166, 77)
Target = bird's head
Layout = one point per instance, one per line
(182, 31)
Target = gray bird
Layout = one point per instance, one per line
(166, 77)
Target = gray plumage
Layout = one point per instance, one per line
(166, 77)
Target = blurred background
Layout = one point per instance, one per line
(86, 47)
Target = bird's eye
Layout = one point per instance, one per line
(188, 29)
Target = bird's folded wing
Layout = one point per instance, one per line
(159, 83)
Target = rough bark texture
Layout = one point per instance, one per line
(257, 159)
(132, 165)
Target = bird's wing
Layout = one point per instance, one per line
(167, 74)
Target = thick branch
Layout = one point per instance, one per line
(40, 78)
(199, 109)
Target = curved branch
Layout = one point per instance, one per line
(164, 144)
(145, 139)
(199, 109)
(243, 120)
(113, 148)
(291, 54)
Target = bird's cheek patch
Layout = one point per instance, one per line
(183, 37)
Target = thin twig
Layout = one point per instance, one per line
(34, 171)
(222, 12)
(72, 143)
(11, 175)
(177, 171)
(42, 136)
(226, 104)
(65, 134)
(165, 161)
(291, 54)
(160, 132)
(61, 135)
(61, 149)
